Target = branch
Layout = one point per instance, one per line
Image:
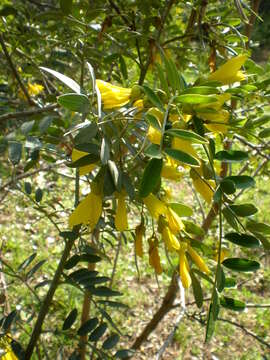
(22, 114)
(14, 70)
(250, 24)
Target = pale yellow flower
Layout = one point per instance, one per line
(174, 222)
(6, 348)
(121, 222)
(139, 233)
(170, 239)
(113, 96)
(154, 259)
(155, 206)
(183, 268)
(34, 89)
(198, 260)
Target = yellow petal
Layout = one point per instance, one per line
(155, 206)
(170, 172)
(87, 212)
(154, 259)
(174, 221)
(113, 96)
(121, 223)
(184, 146)
(139, 232)
(183, 270)
(154, 135)
(198, 260)
(203, 186)
(76, 155)
(170, 239)
(229, 72)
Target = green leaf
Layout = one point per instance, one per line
(241, 265)
(104, 291)
(105, 151)
(196, 99)
(88, 148)
(244, 210)
(181, 209)
(229, 282)
(182, 157)
(123, 67)
(265, 133)
(152, 120)
(88, 326)
(162, 79)
(245, 240)
(153, 151)
(28, 188)
(27, 262)
(242, 182)
(230, 218)
(197, 290)
(151, 177)
(64, 79)
(70, 319)
(210, 326)
(85, 160)
(38, 195)
(98, 332)
(86, 133)
(75, 102)
(113, 304)
(192, 228)
(116, 175)
(187, 135)
(254, 226)
(202, 90)
(232, 304)
(155, 100)
(231, 156)
(66, 6)
(111, 341)
(124, 353)
(228, 186)
(8, 10)
(220, 278)
(70, 235)
(14, 152)
(172, 74)
(34, 269)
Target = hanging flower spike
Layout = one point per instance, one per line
(174, 221)
(139, 233)
(155, 206)
(170, 239)
(154, 259)
(229, 72)
(120, 221)
(5, 346)
(89, 210)
(113, 96)
(203, 187)
(183, 268)
(83, 170)
(198, 260)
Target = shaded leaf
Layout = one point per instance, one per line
(241, 265)
(151, 177)
(70, 319)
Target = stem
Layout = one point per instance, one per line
(25, 114)
(47, 302)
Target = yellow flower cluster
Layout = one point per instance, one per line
(6, 349)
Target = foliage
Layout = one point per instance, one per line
(137, 102)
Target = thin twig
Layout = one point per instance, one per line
(25, 114)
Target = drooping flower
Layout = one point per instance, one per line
(155, 206)
(170, 239)
(6, 349)
(229, 72)
(88, 211)
(184, 146)
(113, 96)
(184, 268)
(139, 233)
(170, 170)
(121, 222)
(198, 260)
(83, 170)
(202, 186)
(154, 259)
(174, 222)
(34, 89)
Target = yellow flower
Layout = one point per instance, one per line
(170, 239)
(76, 155)
(6, 349)
(139, 233)
(184, 146)
(229, 72)
(155, 206)
(169, 170)
(34, 89)
(154, 259)
(203, 187)
(121, 223)
(154, 135)
(138, 104)
(198, 260)
(174, 221)
(88, 211)
(113, 96)
(183, 268)
(221, 116)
